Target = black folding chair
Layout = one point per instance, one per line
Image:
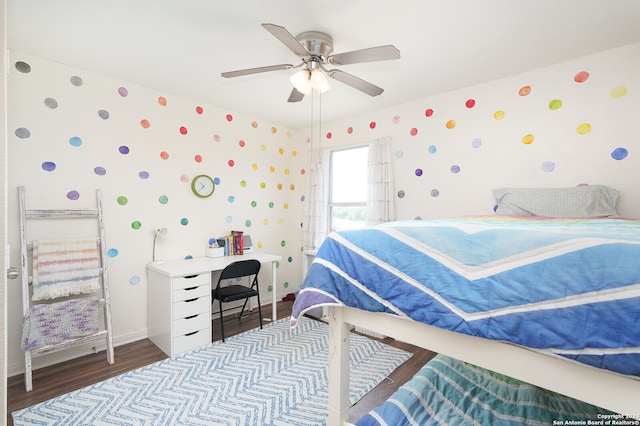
(231, 293)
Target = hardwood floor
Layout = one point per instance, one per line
(65, 377)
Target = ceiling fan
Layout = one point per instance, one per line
(315, 49)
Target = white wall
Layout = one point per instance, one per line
(488, 150)
(490, 153)
(247, 198)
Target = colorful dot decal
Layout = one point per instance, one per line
(242, 143)
(498, 115)
(51, 103)
(548, 166)
(100, 171)
(199, 110)
(455, 169)
(23, 67)
(231, 163)
(75, 141)
(134, 280)
(372, 125)
(198, 158)
(112, 252)
(183, 130)
(581, 77)
(524, 91)
(619, 154)
(143, 175)
(413, 131)
(163, 199)
(528, 139)
(418, 172)
(583, 129)
(22, 133)
(470, 103)
(476, 143)
(73, 195)
(123, 150)
(104, 114)
(396, 119)
(164, 155)
(349, 130)
(618, 92)
(216, 138)
(229, 117)
(145, 124)
(184, 221)
(48, 166)
(432, 149)
(401, 194)
(450, 124)
(122, 91)
(428, 112)
(435, 193)
(162, 101)
(136, 225)
(555, 104)
(122, 200)
(76, 81)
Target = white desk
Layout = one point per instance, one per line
(179, 299)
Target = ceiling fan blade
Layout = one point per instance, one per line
(249, 71)
(355, 82)
(286, 38)
(295, 96)
(372, 54)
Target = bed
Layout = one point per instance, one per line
(554, 302)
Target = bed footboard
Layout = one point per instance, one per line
(614, 392)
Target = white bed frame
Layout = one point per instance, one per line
(615, 392)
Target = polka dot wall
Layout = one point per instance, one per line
(566, 125)
(569, 124)
(74, 131)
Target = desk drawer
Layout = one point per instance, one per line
(191, 341)
(191, 281)
(191, 307)
(191, 292)
(190, 324)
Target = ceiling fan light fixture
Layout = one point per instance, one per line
(301, 81)
(319, 81)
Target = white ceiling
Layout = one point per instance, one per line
(181, 47)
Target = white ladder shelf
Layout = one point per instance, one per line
(26, 248)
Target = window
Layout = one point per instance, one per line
(348, 188)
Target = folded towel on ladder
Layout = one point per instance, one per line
(51, 323)
(65, 267)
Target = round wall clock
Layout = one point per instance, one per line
(202, 186)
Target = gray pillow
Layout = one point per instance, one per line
(580, 201)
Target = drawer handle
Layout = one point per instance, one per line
(190, 288)
(192, 333)
(191, 276)
(191, 316)
(192, 300)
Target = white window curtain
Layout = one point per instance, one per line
(380, 190)
(316, 223)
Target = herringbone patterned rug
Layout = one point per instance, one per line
(274, 376)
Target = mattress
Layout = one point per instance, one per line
(450, 392)
(566, 287)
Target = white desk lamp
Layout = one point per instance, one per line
(162, 232)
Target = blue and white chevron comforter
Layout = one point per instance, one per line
(570, 287)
